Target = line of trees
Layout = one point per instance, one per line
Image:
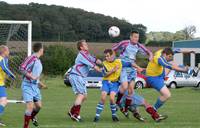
(166, 38)
(58, 23)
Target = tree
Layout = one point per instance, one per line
(159, 38)
(58, 23)
(189, 32)
(179, 35)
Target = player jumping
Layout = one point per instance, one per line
(129, 50)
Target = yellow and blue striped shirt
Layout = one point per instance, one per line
(157, 65)
(4, 70)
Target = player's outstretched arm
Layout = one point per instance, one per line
(145, 51)
(166, 64)
(120, 46)
(129, 64)
(179, 69)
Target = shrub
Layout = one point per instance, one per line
(57, 59)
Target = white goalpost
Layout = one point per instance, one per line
(17, 35)
(12, 23)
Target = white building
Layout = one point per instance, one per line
(189, 59)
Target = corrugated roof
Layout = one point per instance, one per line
(187, 44)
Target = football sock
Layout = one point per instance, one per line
(78, 109)
(113, 108)
(75, 110)
(35, 112)
(158, 104)
(99, 109)
(127, 103)
(27, 118)
(152, 112)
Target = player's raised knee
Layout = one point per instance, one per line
(168, 95)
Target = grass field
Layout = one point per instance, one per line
(183, 109)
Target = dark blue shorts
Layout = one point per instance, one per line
(3, 91)
(156, 82)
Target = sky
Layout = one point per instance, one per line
(156, 15)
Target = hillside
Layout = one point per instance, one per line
(58, 23)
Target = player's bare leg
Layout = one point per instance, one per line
(165, 95)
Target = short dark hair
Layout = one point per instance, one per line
(134, 32)
(37, 47)
(110, 51)
(168, 51)
(79, 44)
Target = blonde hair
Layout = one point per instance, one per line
(2, 48)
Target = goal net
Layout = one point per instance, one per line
(17, 36)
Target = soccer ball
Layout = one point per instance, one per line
(114, 31)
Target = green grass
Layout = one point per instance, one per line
(183, 109)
